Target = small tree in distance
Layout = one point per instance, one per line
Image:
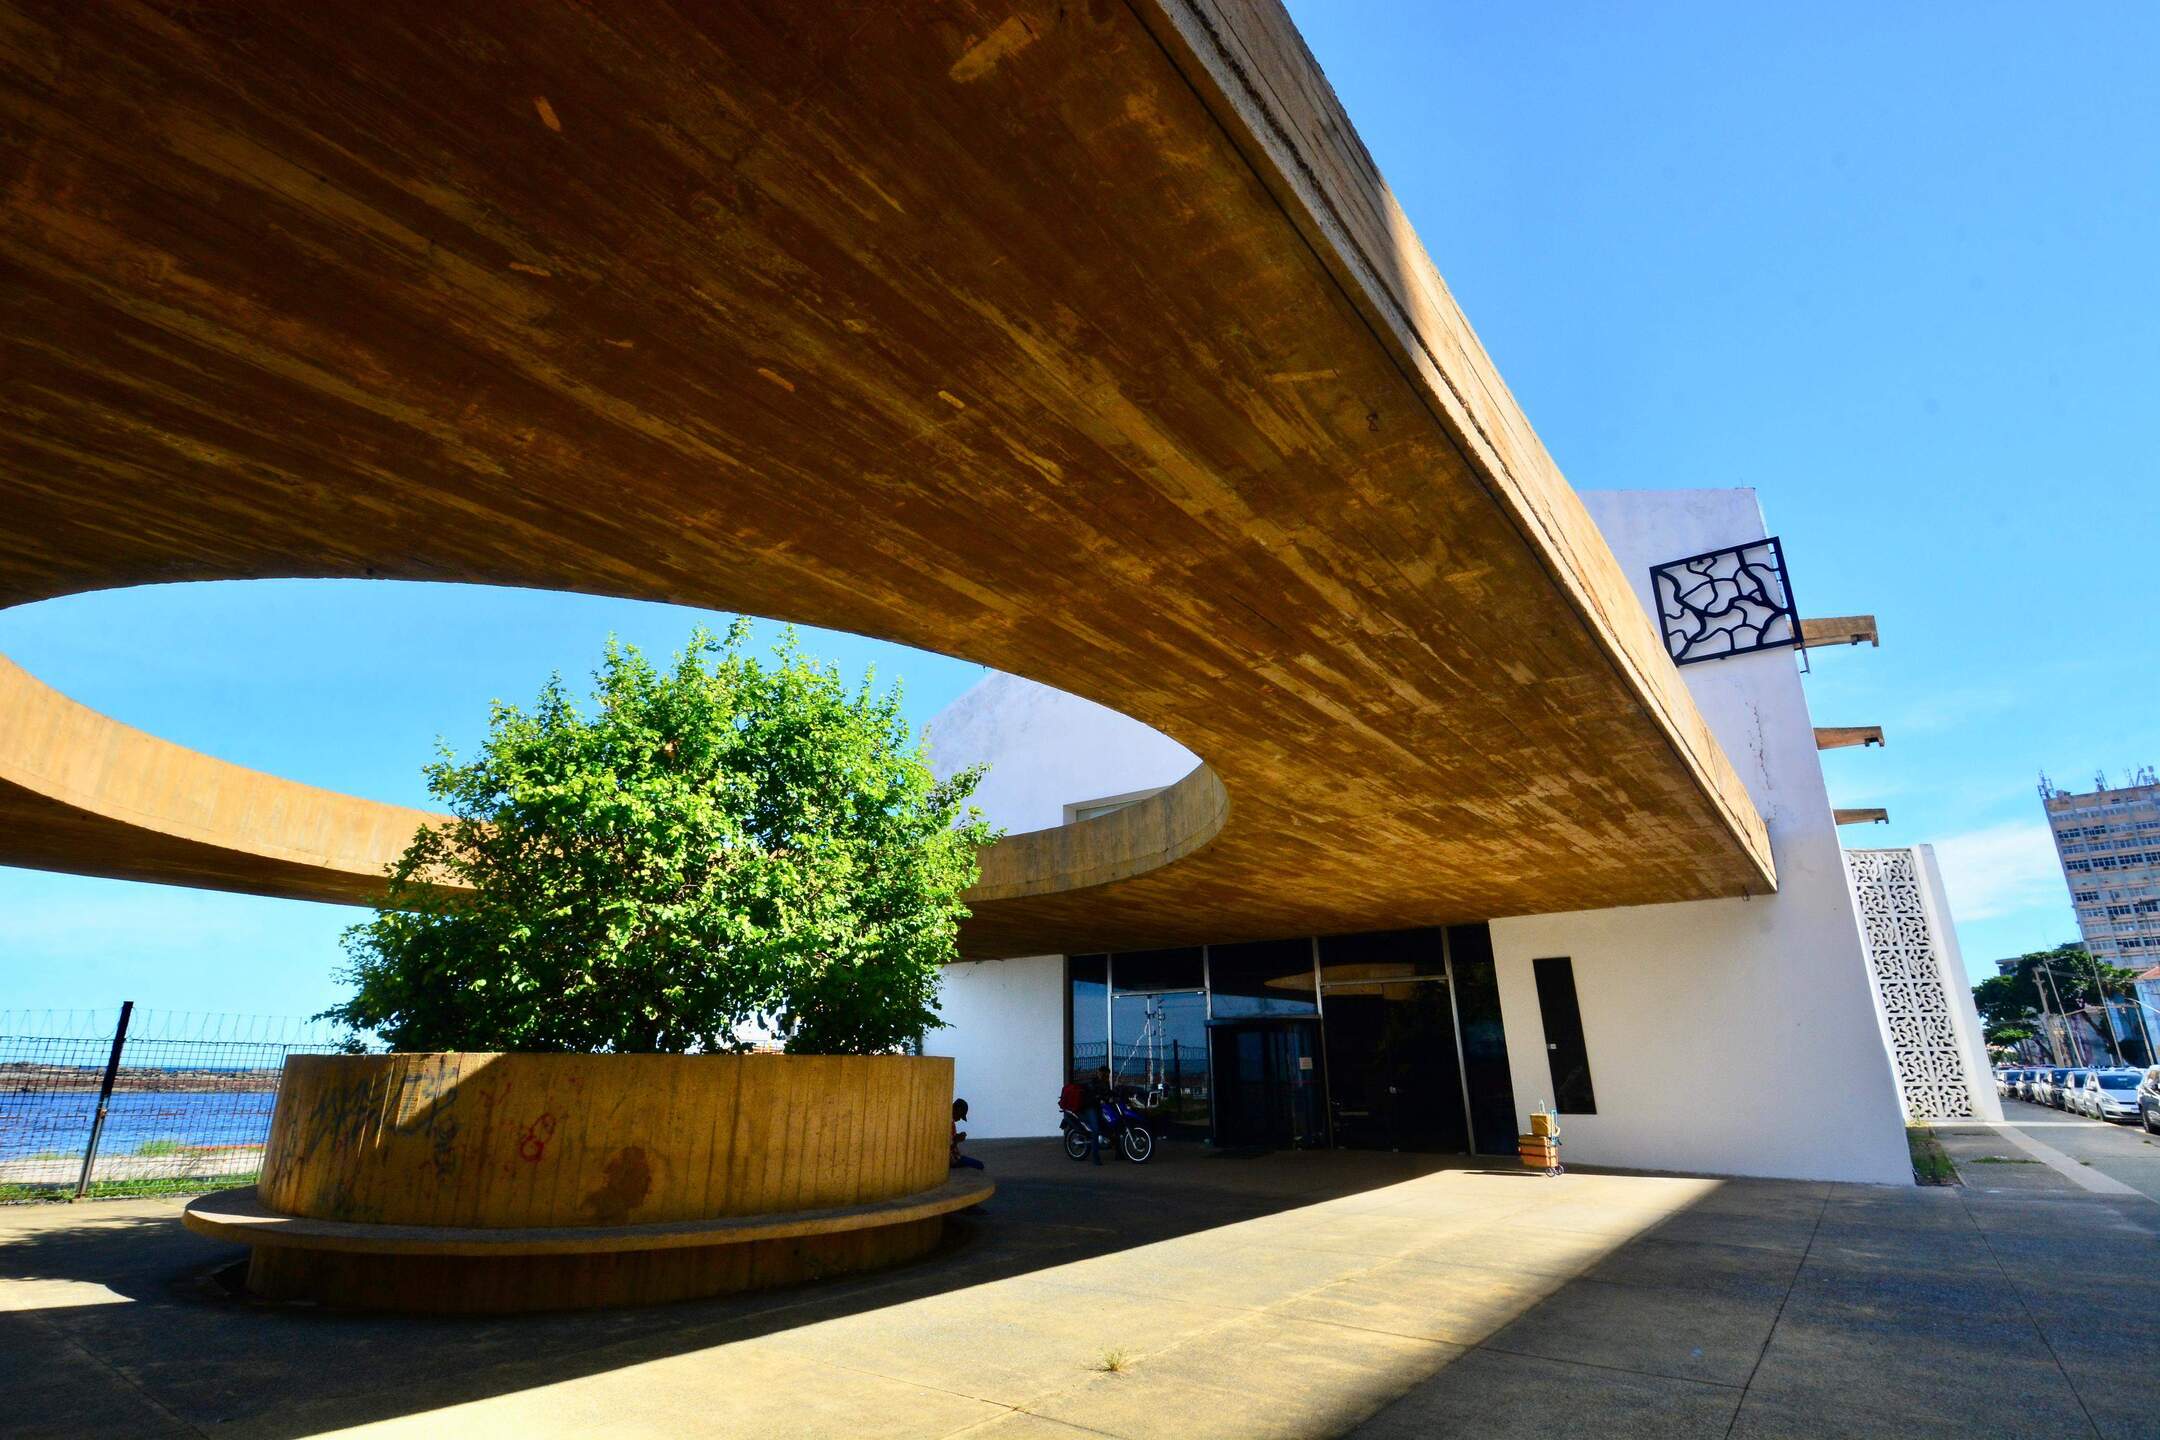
(725, 844)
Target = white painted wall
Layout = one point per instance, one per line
(1007, 1040)
(1726, 1036)
(1046, 750)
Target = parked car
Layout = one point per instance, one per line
(2029, 1085)
(2069, 1087)
(2148, 1096)
(2080, 1100)
(2111, 1095)
(2049, 1090)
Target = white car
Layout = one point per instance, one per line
(2110, 1095)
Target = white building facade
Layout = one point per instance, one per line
(1747, 1036)
(2108, 840)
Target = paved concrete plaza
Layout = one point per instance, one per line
(1285, 1295)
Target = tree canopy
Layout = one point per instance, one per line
(2011, 1004)
(725, 846)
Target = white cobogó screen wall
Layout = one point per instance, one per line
(1921, 986)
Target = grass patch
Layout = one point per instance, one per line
(15, 1194)
(2005, 1160)
(1930, 1162)
(1113, 1362)
(159, 1147)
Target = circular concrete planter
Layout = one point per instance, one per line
(495, 1183)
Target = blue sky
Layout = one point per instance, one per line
(1892, 266)
(341, 683)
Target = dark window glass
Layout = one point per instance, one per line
(1391, 1072)
(1140, 971)
(1484, 1040)
(1268, 977)
(1381, 955)
(1564, 1048)
(1267, 1082)
(1090, 1048)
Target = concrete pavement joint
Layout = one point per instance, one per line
(1074, 1425)
(118, 1374)
(1606, 1366)
(2033, 1320)
(1777, 1319)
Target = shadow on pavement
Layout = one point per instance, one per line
(1288, 1294)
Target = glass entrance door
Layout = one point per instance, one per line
(1394, 1082)
(1267, 1083)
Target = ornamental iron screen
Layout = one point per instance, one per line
(1725, 602)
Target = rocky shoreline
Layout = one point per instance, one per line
(29, 1078)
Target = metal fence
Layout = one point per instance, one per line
(139, 1102)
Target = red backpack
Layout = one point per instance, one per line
(1071, 1097)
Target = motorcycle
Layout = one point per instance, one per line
(1120, 1123)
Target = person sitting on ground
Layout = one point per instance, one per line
(960, 1161)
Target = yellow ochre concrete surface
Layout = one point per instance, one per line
(1083, 341)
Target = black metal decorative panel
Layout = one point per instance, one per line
(1725, 602)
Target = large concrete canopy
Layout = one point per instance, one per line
(1081, 340)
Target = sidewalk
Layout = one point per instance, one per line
(1289, 1295)
(2037, 1148)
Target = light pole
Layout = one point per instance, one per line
(2107, 1016)
(2048, 1045)
(2077, 1051)
(2100, 983)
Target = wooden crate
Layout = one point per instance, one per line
(1538, 1152)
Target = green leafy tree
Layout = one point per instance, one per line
(2010, 1005)
(722, 845)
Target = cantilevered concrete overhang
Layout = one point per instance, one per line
(1081, 340)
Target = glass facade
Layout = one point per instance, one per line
(1484, 1039)
(1271, 977)
(1391, 1039)
(1383, 955)
(1158, 1034)
(1088, 1020)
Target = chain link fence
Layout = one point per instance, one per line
(140, 1102)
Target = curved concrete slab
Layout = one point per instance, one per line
(81, 792)
(1081, 341)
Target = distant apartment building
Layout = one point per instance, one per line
(2109, 842)
(2008, 965)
